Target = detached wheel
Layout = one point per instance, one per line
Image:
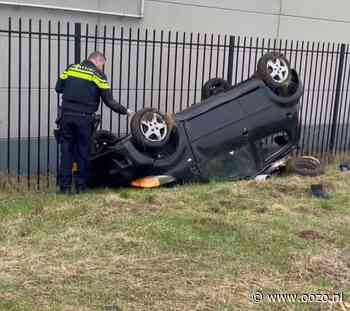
(274, 69)
(305, 166)
(150, 128)
(214, 86)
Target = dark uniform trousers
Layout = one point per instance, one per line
(75, 146)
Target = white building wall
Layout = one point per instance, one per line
(296, 19)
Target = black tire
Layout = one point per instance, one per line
(102, 139)
(274, 69)
(214, 86)
(305, 166)
(158, 126)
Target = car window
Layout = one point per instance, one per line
(231, 164)
(272, 144)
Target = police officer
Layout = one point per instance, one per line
(82, 86)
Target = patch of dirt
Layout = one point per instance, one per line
(332, 265)
(310, 235)
(289, 188)
(307, 209)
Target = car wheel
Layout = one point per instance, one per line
(274, 69)
(305, 166)
(150, 128)
(214, 86)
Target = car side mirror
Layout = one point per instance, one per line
(280, 140)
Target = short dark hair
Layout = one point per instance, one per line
(96, 54)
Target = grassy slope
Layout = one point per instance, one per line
(195, 247)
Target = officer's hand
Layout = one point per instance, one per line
(130, 112)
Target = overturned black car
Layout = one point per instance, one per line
(233, 133)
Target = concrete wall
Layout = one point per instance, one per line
(297, 19)
(315, 20)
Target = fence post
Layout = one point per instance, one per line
(337, 96)
(230, 59)
(77, 43)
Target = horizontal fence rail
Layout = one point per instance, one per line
(148, 68)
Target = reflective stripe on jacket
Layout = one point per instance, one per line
(82, 86)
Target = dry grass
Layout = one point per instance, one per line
(195, 247)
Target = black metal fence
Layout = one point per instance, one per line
(161, 69)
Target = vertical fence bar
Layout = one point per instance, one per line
(301, 108)
(262, 47)
(318, 124)
(338, 140)
(120, 72)
(175, 70)
(231, 48)
(189, 70)
(328, 106)
(182, 69)
(39, 106)
(145, 70)
(137, 68)
(167, 73)
(204, 55)
(112, 76)
(104, 53)
(77, 43)
(322, 104)
(95, 38)
(86, 40)
(129, 70)
(296, 55)
(243, 57)
(250, 56)
(256, 53)
(9, 98)
(68, 44)
(218, 56)
(29, 100)
(19, 99)
(58, 96)
(290, 50)
(160, 68)
(152, 73)
(211, 55)
(313, 90)
(237, 58)
(48, 104)
(308, 93)
(333, 96)
(224, 58)
(337, 96)
(302, 98)
(196, 71)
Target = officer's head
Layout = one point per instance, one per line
(98, 59)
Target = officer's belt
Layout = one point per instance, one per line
(78, 114)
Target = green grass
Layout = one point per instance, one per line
(193, 247)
